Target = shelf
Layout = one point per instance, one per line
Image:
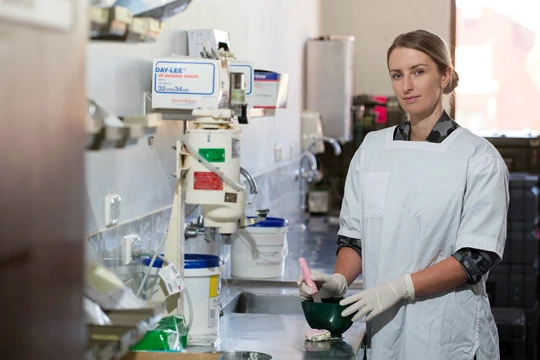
(186, 114)
(118, 24)
(105, 130)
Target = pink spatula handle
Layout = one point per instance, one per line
(307, 275)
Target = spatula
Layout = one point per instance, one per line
(307, 278)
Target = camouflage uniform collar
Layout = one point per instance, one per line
(442, 129)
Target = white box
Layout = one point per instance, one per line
(247, 68)
(198, 38)
(190, 83)
(270, 89)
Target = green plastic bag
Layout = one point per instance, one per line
(177, 324)
(169, 335)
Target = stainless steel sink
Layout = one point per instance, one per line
(243, 355)
(268, 304)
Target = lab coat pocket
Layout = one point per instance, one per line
(374, 187)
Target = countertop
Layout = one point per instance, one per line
(282, 336)
(317, 244)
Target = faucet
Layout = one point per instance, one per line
(253, 188)
(194, 228)
(331, 141)
(313, 172)
(246, 221)
(261, 216)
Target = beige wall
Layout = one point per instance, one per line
(375, 24)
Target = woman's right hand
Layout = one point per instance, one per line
(329, 286)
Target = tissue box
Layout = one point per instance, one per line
(271, 89)
(248, 70)
(190, 83)
(198, 38)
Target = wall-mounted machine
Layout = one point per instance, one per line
(212, 93)
(216, 93)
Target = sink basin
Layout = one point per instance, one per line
(244, 355)
(268, 304)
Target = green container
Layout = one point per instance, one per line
(327, 316)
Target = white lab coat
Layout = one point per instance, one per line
(413, 204)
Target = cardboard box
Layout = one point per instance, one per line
(197, 39)
(247, 68)
(190, 83)
(170, 356)
(271, 89)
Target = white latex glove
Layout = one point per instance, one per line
(372, 302)
(328, 286)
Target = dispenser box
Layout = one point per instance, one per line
(271, 89)
(190, 83)
(197, 39)
(247, 68)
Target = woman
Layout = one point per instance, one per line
(424, 219)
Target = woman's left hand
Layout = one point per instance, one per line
(372, 302)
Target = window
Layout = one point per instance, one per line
(497, 56)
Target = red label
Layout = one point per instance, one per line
(206, 181)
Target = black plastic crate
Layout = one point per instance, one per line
(512, 332)
(531, 338)
(512, 286)
(525, 226)
(521, 244)
(524, 194)
(519, 154)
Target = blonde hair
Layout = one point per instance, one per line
(434, 47)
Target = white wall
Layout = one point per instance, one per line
(270, 33)
(375, 24)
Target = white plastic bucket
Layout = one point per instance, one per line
(202, 275)
(259, 251)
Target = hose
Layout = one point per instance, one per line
(150, 265)
(186, 292)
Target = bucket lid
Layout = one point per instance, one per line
(157, 263)
(200, 261)
(270, 222)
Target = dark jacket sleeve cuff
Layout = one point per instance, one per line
(476, 263)
(355, 244)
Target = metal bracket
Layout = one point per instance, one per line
(181, 160)
(106, 131)
(187, 114)
(118, 24)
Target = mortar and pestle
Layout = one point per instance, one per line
(323, 314)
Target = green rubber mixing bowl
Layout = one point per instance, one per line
(327, 316)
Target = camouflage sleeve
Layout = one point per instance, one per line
(476, 263)
(352, 243)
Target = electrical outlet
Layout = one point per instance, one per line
(278, 153)
(127, 248)
(112, 209)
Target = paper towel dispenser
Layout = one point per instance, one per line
(329, 88)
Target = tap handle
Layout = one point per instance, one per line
(263, 213)
(243, 118)
(200, 220)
